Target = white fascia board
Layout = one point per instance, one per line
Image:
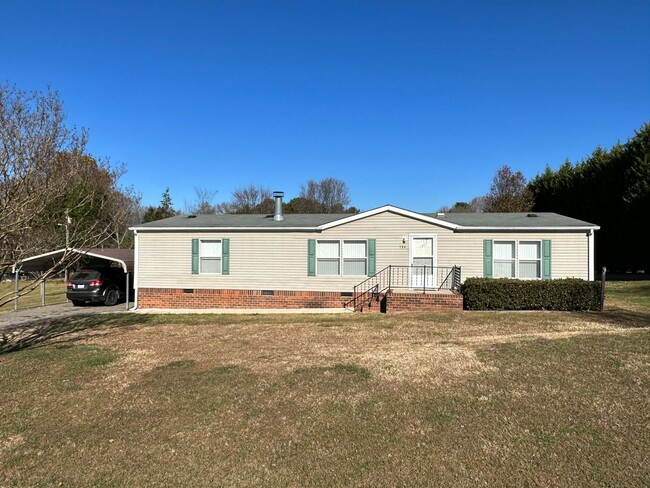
(108, 258)
(389, 208)
(63, 251)
(51, 253)
(507, 229)
(203, 229)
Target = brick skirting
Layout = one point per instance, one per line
(280, 299)
(423, 302)
(205, 298)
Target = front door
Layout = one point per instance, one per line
(423, 260)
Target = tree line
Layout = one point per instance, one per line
(610, 188)
(329, 195)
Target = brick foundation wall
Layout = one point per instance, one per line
(243, 299)
(199, 298)
(423, 302)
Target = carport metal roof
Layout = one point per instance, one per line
(43, 262)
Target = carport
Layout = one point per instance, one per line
(87, 258)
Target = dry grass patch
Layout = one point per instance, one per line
(54, 293)
(458, 399)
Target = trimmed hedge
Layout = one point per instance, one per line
(509, 294)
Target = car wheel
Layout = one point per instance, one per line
(76, 303)
(112, 296)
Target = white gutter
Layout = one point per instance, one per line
(329, 225)
(591, 229)
(215, 228)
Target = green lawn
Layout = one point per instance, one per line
(628, 294)
(447, 399)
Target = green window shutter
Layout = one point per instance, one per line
(546, 259)
(225, 256)
(195, 256)
(372, 257)
(311, 257)
(487, 258)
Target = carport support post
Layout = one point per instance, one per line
(127, 290)
(43, 293)
(16, 290)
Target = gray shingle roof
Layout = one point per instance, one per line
(507, 220)
(464, 221)
(244, 221)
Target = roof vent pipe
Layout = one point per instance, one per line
(277, 215)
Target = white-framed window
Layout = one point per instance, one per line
(517, 259)
(342, 257)
(355, 258)
(530, 260)
(328, 258)
(504, 259)
(210, 254)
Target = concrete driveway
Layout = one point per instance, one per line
(32, 316)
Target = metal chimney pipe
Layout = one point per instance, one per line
(277, 216)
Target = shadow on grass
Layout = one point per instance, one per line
(625, 318)
(49, 331)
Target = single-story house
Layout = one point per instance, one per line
(408, 259)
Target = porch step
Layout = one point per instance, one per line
(372, 305)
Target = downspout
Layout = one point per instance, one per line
(592, 265)
(135, 270)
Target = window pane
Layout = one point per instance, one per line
(529, 250)
(327, 267)
(210, 265)
(529, 269)
(422, 246)
(328, 249)
(354, 249)
(210, 249)
(504, 269)
(354, 267)
(423, 262)
(504, 250)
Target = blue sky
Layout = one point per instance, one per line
(412, 103)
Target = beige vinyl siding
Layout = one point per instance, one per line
(569, 251)
(270, 260)
(389, 229)
(278, 260)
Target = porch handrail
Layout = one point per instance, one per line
(424, 278)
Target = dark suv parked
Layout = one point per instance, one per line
(104, 285)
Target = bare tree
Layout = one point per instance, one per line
(509, 192)
(474, 206)
(203, 204)
(331, 193)
(122, 211)
(478, 204)
(46, 176)
(248, 199)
